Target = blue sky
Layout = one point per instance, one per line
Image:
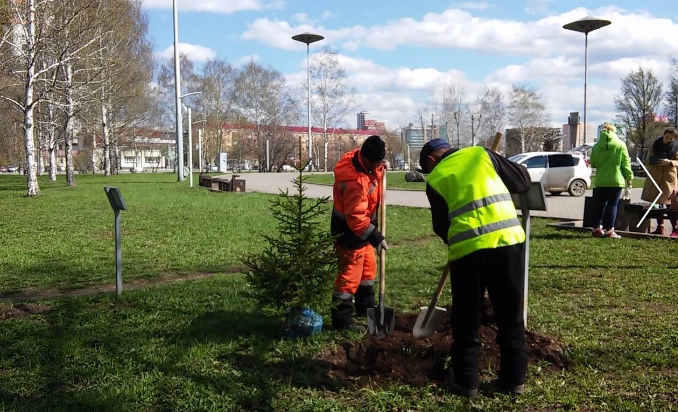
(385, 44)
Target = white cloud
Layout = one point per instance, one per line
(394, 95)
(301, 18)
(195, 52)
(537, 6)
(553, 58)
(326, 14)
(215, 6)
(471, 5)
(246, 59)
(459, 29)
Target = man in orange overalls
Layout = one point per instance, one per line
(357, 189)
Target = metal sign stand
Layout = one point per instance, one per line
(117, 204)
(534, 199)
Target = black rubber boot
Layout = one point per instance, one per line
(342, 315)
(364, 299)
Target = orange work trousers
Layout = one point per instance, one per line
(356, 267)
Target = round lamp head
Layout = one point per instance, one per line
(587, 24)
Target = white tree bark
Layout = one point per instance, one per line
(107, 138)
(93, 155)
(33, 188)
(68, 125)
(52, 143)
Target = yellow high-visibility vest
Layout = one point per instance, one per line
(481, 212)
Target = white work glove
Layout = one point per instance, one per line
(381, 246)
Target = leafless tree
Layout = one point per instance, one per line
(671, 96)
(215, 104)
(526, 112)
(263, 101)
(637, 106)
(455, 110)
(493, 110)
(332, 98)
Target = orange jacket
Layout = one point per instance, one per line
(356, 197)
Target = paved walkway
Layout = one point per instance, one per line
(560, 207)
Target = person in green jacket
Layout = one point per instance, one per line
(610, 158)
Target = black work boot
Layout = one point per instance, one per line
(342, 315)
(364, 299)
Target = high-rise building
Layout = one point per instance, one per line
(573, 132)
(367, 124)
(361, 120)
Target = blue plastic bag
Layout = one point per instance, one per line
(303, 324)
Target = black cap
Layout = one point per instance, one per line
(430, 147)
(374, 148)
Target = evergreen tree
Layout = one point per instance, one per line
(298, 265)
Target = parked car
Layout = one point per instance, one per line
(558, 172)
(12, 169)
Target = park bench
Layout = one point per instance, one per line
(222, 184)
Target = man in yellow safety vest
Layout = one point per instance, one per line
(472, 211)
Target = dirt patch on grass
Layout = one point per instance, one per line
(33, 295)
(402, 359)
(22, 310)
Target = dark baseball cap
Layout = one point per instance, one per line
(430, 147)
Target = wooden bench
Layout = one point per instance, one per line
(222, 184)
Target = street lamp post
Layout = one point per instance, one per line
(586, 25)
(308, 38)
(177, 93)
(457, 116)
(190, 149)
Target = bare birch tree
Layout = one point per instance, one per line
(493, 109)
(526, 112)
(332, 98)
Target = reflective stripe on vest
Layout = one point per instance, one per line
(481, 211)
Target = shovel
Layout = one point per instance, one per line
(381, 320)
(431, 317)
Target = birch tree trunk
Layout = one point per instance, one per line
(52, 143)
(33, 188)
(38, 159)
(52, 162)
(107, 138)
(93, 156)
(68, 125)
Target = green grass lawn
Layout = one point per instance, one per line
(637, 182)
(201, 345)
(396, 180)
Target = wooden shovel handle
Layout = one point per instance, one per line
(382, 217)
(441, 285)
(497, 141)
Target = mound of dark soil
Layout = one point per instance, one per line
(403, 359)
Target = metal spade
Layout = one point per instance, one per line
(430, 318)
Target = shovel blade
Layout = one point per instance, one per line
(434, 321)
(378, 328)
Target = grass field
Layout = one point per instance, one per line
(200, 345)
(396, 180)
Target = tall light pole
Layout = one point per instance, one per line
(308, 38)
(190, 149)
(177, 93)
(586, 25)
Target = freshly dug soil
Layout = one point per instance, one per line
(403, 359)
